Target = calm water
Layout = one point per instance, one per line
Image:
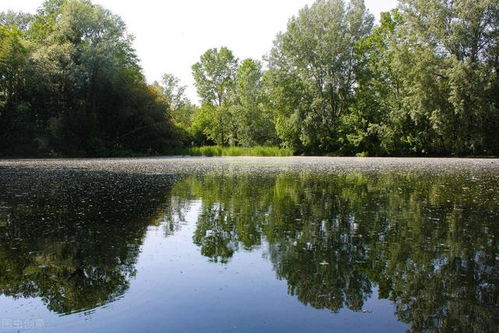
(297, 244)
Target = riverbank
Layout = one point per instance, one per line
(237, 151)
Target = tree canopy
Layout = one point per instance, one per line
(421, 82)
(71, 84)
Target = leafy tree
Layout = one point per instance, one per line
(20, 20)
(254, 124)
(373, 124)
(202, 125)
(173, 91)
(214, 77)
(181, 109)
(72, 85)
(423, 82)
(16, 123)
(311, 72)
(460, 40)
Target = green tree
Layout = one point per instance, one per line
(17, 124)
(373, 124)
(460, 40)
(311, 72)
(254, 124)
(20, 20)
(173, 91)
(204, 128)
(181, 109)
(72, 85)
(214, 77)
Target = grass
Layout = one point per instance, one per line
(237, 151)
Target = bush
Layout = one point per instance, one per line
(237, 151)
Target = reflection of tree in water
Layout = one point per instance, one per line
(448, 277)
(226, 224)
(216, 234)
(322, 255)
(72, 238)
(429, 245)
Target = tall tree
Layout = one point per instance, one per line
(254, 123)
(373, 124)
(214, 77)
(82, 90)
(181, 109)
(459, 38)
(17, 125)
(311, 72)
(173, 91)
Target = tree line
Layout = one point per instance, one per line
(421, 82)
(71, 84)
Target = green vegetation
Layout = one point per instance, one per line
(71, 84)
(237, 151)
(422, 82)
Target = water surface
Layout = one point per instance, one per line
(249, 244)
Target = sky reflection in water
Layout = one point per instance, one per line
(271, 251)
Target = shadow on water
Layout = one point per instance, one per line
(427, 242)
(72, 238)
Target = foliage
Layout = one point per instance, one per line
(254, 124)
(427, 82)
(173, 91)
(311, 75)
(71, 84)
(423, 82)
(214, 75)
(237, 151)
(234, 105)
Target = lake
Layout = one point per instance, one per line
(249, 244)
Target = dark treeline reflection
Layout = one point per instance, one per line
(427, 242)
(72, 238)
